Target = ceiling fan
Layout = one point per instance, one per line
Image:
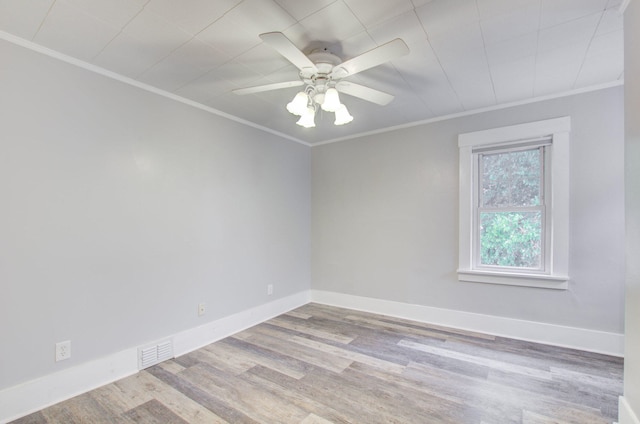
(322, 73)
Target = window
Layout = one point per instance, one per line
(514, 204)
(510, 210)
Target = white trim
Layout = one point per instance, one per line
(195, 338)
(471, 112)
(623, 6)
(550, 334)
(558, 202)
(625, 413)
(558, 282)
(23, 399)
(515, 132)
(135, 83)
(31, 396)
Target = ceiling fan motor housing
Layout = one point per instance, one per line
(324, 62)
(322, 78)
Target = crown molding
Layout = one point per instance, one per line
(623, 6)
(470, 112)
(132, 82)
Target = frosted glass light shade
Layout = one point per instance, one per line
(298, 106)
(342, 116)
(307, 119)
(331, 100)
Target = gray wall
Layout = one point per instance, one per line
(632, 181)
(122, 210)
(385, 217)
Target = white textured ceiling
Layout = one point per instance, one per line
(464, 54)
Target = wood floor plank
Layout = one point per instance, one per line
(287, 388)
(306, 329)
(171, 366)
(494, 350)
(35, 418)
(277, 361)
(153, 412)
(360, 402)
(218, 357)
(252, 401)
(123, 395)
(529, 417)
(390, 367)
(314, 419)
(297, 314)
(200, 395)
(80, 409)
(562, 390)
(179, 404)
(418, 330)
(492, 396)
(405, 384)
(379, 403)
(320, 364)
(608, 384)
(270, 339)
(490, 363)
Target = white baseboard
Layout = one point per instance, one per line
(31, 396)
(198, 337)
(625, 413)
(34, 395)
(557, 335)
(28, 397)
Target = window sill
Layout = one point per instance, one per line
(557, 282)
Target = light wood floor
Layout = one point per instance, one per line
(320, 364)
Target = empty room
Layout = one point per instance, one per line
(320, 212)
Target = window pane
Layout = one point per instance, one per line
(511, 239)
(511, 179)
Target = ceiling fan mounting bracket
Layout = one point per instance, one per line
(324, 56)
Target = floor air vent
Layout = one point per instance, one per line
(154, 354)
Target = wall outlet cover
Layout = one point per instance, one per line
(63, 350)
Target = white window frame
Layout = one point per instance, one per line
(555, 274)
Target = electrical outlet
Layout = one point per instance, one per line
(63, 350)
(269, 289)
(202, 308)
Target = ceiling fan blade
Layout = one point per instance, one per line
(374, 57)
(267, 87)
(364, 93)
(280, 43)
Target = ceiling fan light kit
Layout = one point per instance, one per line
(342, 116)
(331, 101)
(322, 73)
(298, 106)
(305, 106)
(307, 120)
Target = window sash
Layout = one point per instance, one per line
(540, 143)
(542, 269)
(515, 145)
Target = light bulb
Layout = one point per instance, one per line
(307, 119)
(342, 116)
(331, 100)
(298, 106)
